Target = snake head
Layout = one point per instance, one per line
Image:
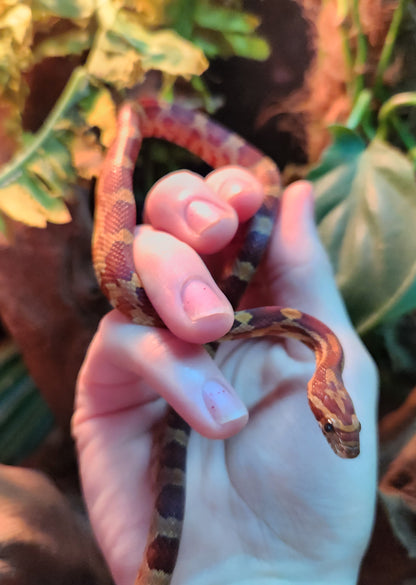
(344, 439)
(333, 408)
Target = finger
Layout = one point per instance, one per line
(305, 280)
(300, 271)
(239, 188)
(144, 363)
(186, 206)
(180, 287)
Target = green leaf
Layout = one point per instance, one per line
(366, 211)
(180, 15)
(66, 8)
(124, 50)
(164, 50)
(52, 166)
(220, 31)
(33, 185)
(25, 201)
(225, 20)
(250, 47)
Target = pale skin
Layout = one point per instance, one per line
(268, 502)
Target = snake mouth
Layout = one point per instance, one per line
(346, 447)
(347, 451)
(345, 442)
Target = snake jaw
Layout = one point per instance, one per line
(345, 442)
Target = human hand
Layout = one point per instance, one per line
(268, 501)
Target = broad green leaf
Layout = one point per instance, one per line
(366, 211)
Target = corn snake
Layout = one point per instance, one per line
(115, 219)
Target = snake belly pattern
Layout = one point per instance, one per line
(115, 219)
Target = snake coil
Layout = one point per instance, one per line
(115, 219)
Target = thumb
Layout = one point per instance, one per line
(301, 274)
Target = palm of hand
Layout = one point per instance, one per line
(269, 493)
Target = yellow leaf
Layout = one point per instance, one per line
(58, 213)
(15, 50)
(64, 8)
(87, 156)
(125, 50)
(151, 12)
(162, 49)
(103, 115)
(17, 20)
(17, 203)
(114, 63)
(174, 55)
(72, 42)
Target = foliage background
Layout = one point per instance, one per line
(353, 119)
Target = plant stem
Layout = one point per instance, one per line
(388, 115)
(342, 14)
(78, 83)
(406, 136)
(361, 58)
(407, 98)
(389, 44)
(360, 110)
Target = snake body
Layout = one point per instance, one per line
(115, 220)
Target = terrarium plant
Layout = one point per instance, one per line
(358, 105)
(116, 44)
(357, 109)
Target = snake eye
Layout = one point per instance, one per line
(329, 427)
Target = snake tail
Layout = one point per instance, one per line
(162, 547)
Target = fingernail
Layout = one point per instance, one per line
(201, 215)
(222, 404)
(231, 188)
(200, 301)
(304, 191)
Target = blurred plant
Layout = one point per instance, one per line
(359, 113)
(360, 104)
(119, 42)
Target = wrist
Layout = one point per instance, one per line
(246, 571)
